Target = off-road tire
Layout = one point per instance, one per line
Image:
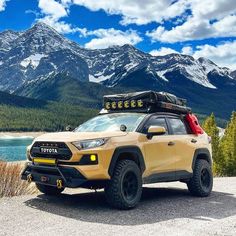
(49, 190)
(199, 185)
(126, 178)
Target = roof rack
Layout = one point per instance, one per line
(145, 101)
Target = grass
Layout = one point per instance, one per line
(10, 181)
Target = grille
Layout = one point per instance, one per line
(63, 152)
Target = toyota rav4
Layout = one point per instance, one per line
(139, 138)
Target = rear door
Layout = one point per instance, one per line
(183, 144)
(159, 153)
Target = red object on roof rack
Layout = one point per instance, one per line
(194, 124)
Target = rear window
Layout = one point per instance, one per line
(178, 127)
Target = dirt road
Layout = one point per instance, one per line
(165, 209)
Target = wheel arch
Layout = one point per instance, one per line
(127, 153)
(201, 153)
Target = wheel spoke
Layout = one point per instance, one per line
(205, 178)
(130, 186)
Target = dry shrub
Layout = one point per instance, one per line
(10, 181)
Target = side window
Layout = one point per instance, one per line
(156, 121)
(177, 126)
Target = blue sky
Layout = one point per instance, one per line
(195, 27)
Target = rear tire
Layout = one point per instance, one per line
(49, 190)
(125, 187)
(202, 181)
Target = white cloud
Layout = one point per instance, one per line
(137, 11)
(109, 37)
(52, 12)
(52, 8)
(187, 50)
(3, 4)
(222, 54)
(59, 26)
(209, 19)
(195, 29)
(165, 50)
(162, 51)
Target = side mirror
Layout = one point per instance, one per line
(68, 128)
(155, 130)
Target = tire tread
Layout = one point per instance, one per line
(112, 191)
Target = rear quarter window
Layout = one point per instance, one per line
(177, 126)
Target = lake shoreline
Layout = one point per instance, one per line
(13, 145)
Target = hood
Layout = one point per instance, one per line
(75, 136)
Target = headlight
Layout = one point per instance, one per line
(92, 143)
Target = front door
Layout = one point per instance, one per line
(159, 151)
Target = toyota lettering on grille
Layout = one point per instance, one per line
(48, 150)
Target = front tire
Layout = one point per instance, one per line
(49, 190)
(201, 183)
(125, 187)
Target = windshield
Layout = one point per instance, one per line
(112, 122)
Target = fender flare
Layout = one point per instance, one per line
(204, 152)
(134, 150)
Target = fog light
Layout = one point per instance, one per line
(89, 159)
(93, 157)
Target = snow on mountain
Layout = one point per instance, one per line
(41, 51)
(32, 60)
(6, 37)
(195, 70)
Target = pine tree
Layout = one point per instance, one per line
(228, 147)
(210, 127)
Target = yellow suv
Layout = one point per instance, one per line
(140, 138)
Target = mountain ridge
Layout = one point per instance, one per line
(40, 55)
(36, 52)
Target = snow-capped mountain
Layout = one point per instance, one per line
(39, 52)
(233, 74)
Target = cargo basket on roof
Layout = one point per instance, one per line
(146, 101)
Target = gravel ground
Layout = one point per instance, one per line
(165, 209)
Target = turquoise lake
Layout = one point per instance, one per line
(14, 149)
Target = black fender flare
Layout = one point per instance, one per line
(201, 153)
(134, 150)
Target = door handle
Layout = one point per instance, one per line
(193, 140)
(171, 144)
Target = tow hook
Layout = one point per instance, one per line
(29, 178)
(59, 184)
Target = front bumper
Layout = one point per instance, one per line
(60, 177)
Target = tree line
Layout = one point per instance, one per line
(52, 117)
(223, 148)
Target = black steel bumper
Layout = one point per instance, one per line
(54, 176)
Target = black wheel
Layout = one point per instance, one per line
(125, 187)
(202, 181)
(49, 190)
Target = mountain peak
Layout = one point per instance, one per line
(41, 26)
(206, 61)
